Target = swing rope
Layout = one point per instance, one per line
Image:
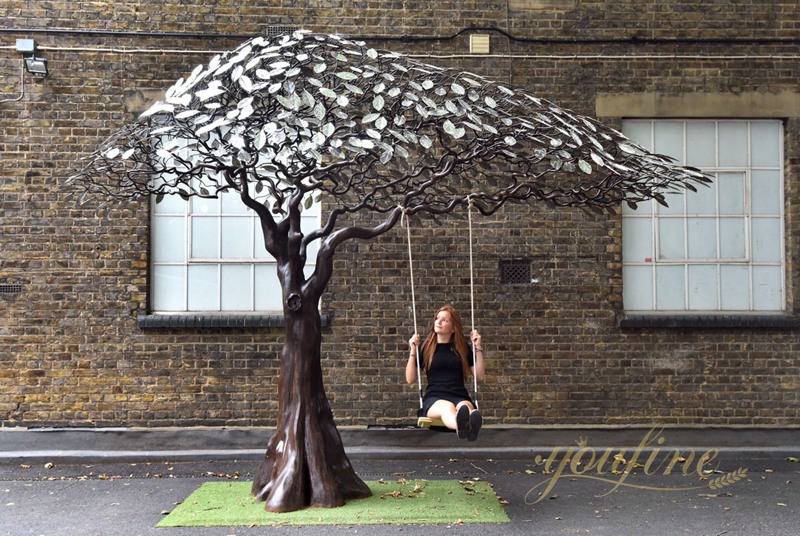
(404, 222)
(472, 305)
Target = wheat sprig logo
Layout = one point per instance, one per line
(726, 480)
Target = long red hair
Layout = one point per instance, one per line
(457, 341)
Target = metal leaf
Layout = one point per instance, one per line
(246, 83)
(346, 76)
(354, 89)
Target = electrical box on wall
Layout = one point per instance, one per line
(479, 44)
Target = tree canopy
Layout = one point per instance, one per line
(372, 130)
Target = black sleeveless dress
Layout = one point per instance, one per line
(445, 378)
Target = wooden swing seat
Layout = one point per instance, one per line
(427, 422)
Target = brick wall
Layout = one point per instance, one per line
(71, 352)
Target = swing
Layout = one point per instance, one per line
(429, 422)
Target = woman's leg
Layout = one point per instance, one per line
(446, 410)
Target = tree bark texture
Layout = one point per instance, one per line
(305, 463)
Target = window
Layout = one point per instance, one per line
(720, 249)
(208, 256)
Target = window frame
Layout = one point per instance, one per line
(709, 314)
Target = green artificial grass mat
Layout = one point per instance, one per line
(393, 502)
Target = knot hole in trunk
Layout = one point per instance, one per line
(294, 302)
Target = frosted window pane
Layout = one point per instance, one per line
(202, 206)
(203, 288)
(766, 193)
(702, 238)
(237, 238)
(671, 239)
(669, 139)
(703, 201)
(643, 208)
(637, 292)
(767, 243)
(735, 285)
(732, 144)
(637, 239)
(237, 287)
(731, 193)
(170, 204)
(675, 206)
(205, 238)
(701, 146)
(765, 136)
(703, 288)
(638, 131)
(169, 286)
(732, 238)
(169, 239)
(767, 294)
(670, 288)
(268, 292)
(232, 204)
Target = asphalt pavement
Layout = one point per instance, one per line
(554, 491)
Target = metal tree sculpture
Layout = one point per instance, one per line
(304, 116)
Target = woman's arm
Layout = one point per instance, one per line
(479, 367)
(411, 365)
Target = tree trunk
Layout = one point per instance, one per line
(305, 463)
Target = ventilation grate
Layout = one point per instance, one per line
(515, 272)
(10, 289)
(272, 31)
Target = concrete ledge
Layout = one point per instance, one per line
(140, 444)
(702, 105)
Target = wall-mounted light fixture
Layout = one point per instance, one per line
(34, 65)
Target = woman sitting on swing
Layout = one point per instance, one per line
(446, 358)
